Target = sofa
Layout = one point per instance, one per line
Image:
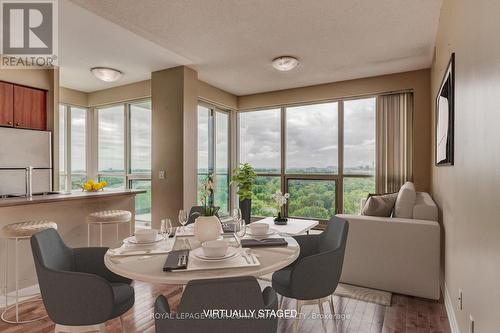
(400, 255)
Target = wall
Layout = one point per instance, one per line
(119, 94)
(418, 81)
(467, 193)
(73, 97)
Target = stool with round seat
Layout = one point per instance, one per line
(18, 232)
(108, 217)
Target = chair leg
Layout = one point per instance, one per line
(122, 324)
(100, 234)
(322, 313)
(280, 305)
(298, 307)
(332, 309)
(88, 234)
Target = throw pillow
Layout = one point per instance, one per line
(379, 205)
(405, 201)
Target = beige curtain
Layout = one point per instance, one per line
(394, 140)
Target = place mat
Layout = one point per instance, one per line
(175, 261)
(263, 242)
(121, 252)
(239, 261)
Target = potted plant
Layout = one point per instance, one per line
(244, 178)
(207, 227)
(280, 200)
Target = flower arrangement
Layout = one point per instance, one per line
(280, 200)
(91, 186)
(206, 189)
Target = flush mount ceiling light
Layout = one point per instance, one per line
(285, 63)
(106, 74)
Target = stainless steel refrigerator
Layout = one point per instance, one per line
(20, 149)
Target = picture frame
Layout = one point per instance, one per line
(445, 117)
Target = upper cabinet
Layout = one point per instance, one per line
(6, 104)
(23, 107)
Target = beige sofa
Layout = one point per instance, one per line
(400, 255)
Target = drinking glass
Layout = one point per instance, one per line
(236, 215)
(183, 217)
(166, 228)
(241, 228)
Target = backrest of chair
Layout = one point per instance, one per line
(335, 235)
(49, 251)
(196, 211)
(229, 293)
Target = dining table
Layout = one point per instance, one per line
(145, 262)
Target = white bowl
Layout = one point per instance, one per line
(259, 228)
(214, 248)
(146, 235)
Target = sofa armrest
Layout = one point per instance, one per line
(394, 254)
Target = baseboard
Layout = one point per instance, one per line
(24, 294)
(448, 303)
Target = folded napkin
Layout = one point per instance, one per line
(176, 260)
(263, 242)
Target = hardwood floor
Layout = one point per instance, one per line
(407, 314)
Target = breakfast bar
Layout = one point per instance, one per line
(69, 211)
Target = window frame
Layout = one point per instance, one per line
(212, 150)
(338, 178)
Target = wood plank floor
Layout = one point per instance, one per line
(407, 314)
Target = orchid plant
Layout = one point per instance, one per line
(280, 200)
(207, 189)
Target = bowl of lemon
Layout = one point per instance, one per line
(91, 186)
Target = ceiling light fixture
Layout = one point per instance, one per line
(106, 74)
(285, 63)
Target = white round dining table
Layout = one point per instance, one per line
(149, 268)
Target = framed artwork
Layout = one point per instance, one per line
(445, 114)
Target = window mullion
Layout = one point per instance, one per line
(68, 147)
(127, 154)
(339, 189)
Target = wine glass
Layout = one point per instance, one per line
(166, 228)
(183, 217)
(241, 228)
(236, 215)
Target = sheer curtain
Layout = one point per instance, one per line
(394, 141)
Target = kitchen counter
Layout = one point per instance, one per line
(75, 195)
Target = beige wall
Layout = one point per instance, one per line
(73, 97)
(468, 192)
(217, 96)
(418, 81)
(119, 94)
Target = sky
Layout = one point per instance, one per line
(311, 136)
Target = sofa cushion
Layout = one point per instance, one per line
(425, 208)
(405, 201)
(379, 205)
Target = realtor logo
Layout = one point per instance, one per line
(29, 33)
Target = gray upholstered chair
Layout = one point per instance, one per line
(196, 211)
(78, 291)
(241, 293)
(314, 276)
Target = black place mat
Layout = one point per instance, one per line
(172, 262)
(263, 242)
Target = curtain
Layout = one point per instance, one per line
(394, 141)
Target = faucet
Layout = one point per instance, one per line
(28, 174)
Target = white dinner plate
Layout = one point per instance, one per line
(198, 254)
(132, 240)
(269, 233)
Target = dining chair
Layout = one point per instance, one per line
(79, 293)
(314, 276)
(196, 211)
(202, 296)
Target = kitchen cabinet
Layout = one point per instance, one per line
(6, 104)
(30, 108)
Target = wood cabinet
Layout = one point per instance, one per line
(6, 104)
(23, 107)
(30, 108)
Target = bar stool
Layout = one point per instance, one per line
(18, 232)
(108, 217)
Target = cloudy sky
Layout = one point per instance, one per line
(311, 136)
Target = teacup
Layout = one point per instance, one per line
(214, 248)
(259, 229)
(146, 235)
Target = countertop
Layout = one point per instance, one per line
(75, 195)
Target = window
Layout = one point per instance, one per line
(72, 147)
(213, 152)
(329, 156)
(124, 152)
(359, 152)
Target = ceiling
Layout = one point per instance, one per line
(231, 43)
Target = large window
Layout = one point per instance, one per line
(124, 152)
(213, 152)
(72, 147)
(328, 161)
